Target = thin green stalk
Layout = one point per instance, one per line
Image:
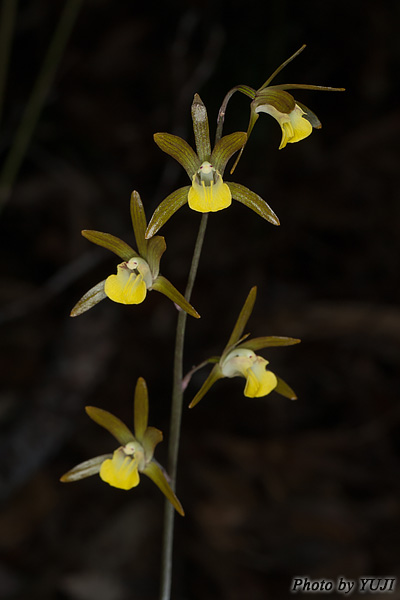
(176, 417)
(245, 89)
(7, 18)
(36, 100)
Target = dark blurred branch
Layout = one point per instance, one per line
(7, 18)
(36, 100)
(54, 286)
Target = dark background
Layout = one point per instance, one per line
(272, 489)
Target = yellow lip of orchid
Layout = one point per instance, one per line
(295, 127)
(208, 192)
(245, 363)
(122, 470)
(130, 284)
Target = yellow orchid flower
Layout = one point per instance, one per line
(296, 120)
(135, 454)
(239, 359)
(122, 470)
(245, 363)
(129, 285)
(208, 191)
(295, 126)
(140, 271)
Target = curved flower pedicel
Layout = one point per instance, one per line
(138, 273)
(239, 359)
(135, 454)
(208, 192)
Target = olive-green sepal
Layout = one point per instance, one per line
(149, 249)
(242, 319)
(284, 389)
(226, 148)
(167, 209)
(201, 129)
(214, 375)
(161, 284)
(157, 474)
(110, 242)
(268, 342)
(139, 223)
(113, 424)
(253, 201)
(95, 295)
(85, 469)
(180, 150)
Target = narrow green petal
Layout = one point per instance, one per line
(209, 382)
(110, 422)
(242, 319)
(268, 341)
(166, 209)
(179, 150)
(139, 223)
(95, 295)
(282, 66)
(201, 129)
(285, 390)
(165, 287)
(155, 472)
(106, 240)
(140, 409)
(156, 247)
(306, 86)
(225, 148)
(85, 469)
(253, 201)
(152, 437)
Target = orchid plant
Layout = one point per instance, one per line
(139, 272)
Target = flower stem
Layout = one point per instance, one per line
(176, 416)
